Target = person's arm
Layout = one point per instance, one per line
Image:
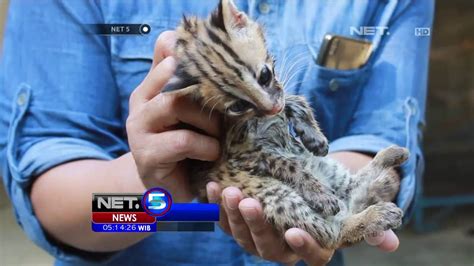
(70, 187)
(157, 148)
(65, 134)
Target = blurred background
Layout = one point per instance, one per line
(442, 231)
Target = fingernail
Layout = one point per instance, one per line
(298, 240)
(250, 214)
(375, 238)
(169, 62)
(211, 193)
(231, 202)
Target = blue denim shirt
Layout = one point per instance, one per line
(64, 95)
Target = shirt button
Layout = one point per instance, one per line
(264, 8)
(21, 100)
(411, 108)
(333, 85)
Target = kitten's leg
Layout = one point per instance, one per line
(282, 205)
(385, 187)
(387, 158)
(378, 180)
(300, 114)
(376, 218)
(290, 171)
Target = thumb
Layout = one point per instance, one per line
(386, 241)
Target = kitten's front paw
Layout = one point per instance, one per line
(315, 142)
(324, 204)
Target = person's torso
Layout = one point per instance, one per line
(294, 30)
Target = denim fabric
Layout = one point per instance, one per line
(64, 95)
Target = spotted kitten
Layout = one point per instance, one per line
(224, 64)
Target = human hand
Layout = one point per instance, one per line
(244, 220)
(158, 145)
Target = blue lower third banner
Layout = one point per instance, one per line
(191, 212)
(151, 212)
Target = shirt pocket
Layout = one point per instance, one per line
(332, 93)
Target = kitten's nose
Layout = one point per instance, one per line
(276, 109)
(277, 96)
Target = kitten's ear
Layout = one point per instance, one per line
(179, 90)
(227, 17)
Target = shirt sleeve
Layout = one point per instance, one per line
(61, 101)
(392, 106)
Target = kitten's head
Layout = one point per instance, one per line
(227, 57)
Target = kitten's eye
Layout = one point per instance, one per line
(240, 107)
(265, 76)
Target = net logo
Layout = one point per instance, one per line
(157, 202)
(127, 212)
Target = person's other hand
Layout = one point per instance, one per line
(158, 145)
(244, 220)
(385, 241)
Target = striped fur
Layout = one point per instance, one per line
(225, 55)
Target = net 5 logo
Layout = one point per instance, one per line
(157, 202)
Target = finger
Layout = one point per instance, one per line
(269, 244)
(214, 195)
(167, 110)
(307, 248)
(176, 145)
(154, 81)
(386, 241)
(240, 231)
(164, 47)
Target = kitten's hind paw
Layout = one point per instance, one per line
(392, 156)
(385, 216)
(374, 219)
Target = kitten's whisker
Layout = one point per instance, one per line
(292, 68)
(295, 84)
(214, 106)
(285, 61)
(295, 76)
(296, 72)
(296, 58)
(295, 67)
(207, 101)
